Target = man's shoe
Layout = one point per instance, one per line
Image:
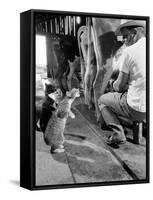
(115, 140)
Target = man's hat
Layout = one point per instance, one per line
(132, 24)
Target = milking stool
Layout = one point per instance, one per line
(138, 131)
(137, 128)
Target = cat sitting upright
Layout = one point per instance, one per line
(54, 133)
(49, 105)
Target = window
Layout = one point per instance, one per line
(41, 57)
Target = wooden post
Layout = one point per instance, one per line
(66, 25)
(137, 132)
(46, 28)
(63, 25)
(74, 25)
(51, 26)
(59, 23)
(41, 27)
(86, 21)
(70, 25)
(56, 26)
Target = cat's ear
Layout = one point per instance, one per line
(52, 96)
(60, 91)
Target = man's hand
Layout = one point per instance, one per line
(121, 84)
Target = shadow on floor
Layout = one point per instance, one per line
(89, 160)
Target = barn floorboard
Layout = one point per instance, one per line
(87, 158)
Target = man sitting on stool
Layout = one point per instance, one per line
(129, 97)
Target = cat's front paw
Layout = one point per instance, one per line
(73, 116)
(60, 149)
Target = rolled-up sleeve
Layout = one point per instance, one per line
(124, 62)
(121, 84)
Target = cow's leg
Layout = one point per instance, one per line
(88, 82)
(83, 71)
(93, 72)
(96, 86)
(70, 75)
(83, 61)
(59, 80)
(100, 84)
(62, 82)
(86, 85)
(89, 75)
(82, 51)
(103, 71)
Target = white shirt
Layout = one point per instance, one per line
(133, 62)
(116, 58)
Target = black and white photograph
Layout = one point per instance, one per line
(76, 100)
(91, 94)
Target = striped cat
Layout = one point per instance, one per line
(54, 133)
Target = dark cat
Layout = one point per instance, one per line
(48, 106)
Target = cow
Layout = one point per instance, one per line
(97, 46)
(61, 50)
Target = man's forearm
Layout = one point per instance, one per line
(119, 87)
